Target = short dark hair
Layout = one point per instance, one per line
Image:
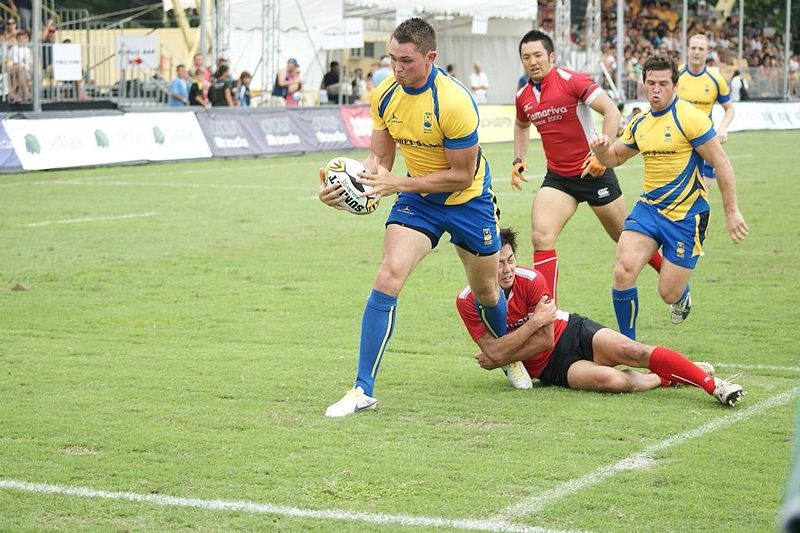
(417, 31)
(180, 67)
(334, 64)
(660, 63)
(508, 236)
(536, 35)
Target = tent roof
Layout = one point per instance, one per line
(496, 8)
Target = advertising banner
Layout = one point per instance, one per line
(277, 133)
(8, 157)
(323, 127)
(229, 135)
(497, 124)
(86, 141)
(358, 122)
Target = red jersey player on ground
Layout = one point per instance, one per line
(557, 101)
(572, 351)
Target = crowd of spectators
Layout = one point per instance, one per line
(197, 86)
(654, 26)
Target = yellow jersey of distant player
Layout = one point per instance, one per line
(667, 140)
(441, 114)
(702, 90)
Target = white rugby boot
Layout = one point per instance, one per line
(353, 401)
(726, 392)
(518, 376)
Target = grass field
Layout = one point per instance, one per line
(184, 326)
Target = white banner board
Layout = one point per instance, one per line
(349, 33)
(67, 62)
(137, 51)
(88, 141)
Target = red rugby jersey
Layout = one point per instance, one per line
(528, 289)
(559, 108)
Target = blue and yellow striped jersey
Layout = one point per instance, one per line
(702, 90)
(425, 121)
(667, 140)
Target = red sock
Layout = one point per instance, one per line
(655, 261)
(546, 262)
(672, 366)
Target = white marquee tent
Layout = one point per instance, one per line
(300, 25)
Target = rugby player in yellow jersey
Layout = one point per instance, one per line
(674, 138)
(702, 88)
(434, 120)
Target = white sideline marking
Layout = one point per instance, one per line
(92, 219)
(760, 367)
(265, 508)
(537, 503)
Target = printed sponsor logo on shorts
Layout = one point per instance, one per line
(680, 249)
(405, 210)
(487, 237)
(602, 193)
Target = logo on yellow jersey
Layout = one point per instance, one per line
(428, 122)
(394, 120)
(668, 134)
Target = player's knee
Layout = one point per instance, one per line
(670, 294)
(624, 274)
(487, 293)
(542, 240)
(614, 381)
(388, 280)
(635, 354)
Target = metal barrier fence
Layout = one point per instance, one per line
(763, 83)
(102, 78)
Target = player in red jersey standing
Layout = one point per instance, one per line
(557, 101)
(571, 351)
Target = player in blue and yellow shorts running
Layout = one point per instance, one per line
(674, 139)
(702, 88)
(434, 120)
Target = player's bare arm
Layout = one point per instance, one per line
(713, 152)
(522, 137)
(500, 351)
(382, 151)
(611, 116)
(459, 176)
(722, 131)
(610, 155)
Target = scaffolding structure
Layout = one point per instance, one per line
(562, 38)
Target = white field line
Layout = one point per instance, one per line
(171, 185)
(265, 508)
(92, 219)
(634, 462)
(260, 165)
(760, 367)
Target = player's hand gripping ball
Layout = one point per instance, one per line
(344, 171)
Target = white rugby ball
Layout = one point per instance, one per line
(344, 171)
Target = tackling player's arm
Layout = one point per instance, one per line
(459, 175)
(611, 116)
(611, 155)
(522, 137)
(527, 340)
(713, 152)
(722, 131)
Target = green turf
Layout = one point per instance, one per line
(192, 353)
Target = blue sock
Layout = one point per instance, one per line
(685, 293)
(626, 307)
(494, 318)
(377, 325)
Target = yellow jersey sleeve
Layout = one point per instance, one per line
(379, 94)
(458, 116)
(694, 124)
(629, 135)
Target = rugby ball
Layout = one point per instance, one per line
(344, 171)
